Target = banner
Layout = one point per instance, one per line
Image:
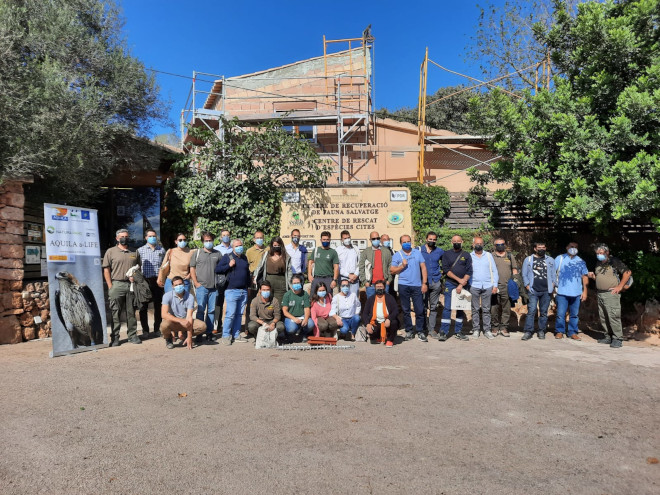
(75, 279)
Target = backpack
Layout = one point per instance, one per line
(221, 279)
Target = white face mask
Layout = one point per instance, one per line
(572, 251)
(347, 241)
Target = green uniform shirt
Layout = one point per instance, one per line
(296, 303)
(119, 262)
(324, 261)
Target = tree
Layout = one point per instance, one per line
(588, 148)
(236, 182)
(450, 113)
(70, 93)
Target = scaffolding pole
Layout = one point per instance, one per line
(421, 115)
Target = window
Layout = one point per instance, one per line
(306, 132)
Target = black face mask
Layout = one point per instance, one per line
(458, 245)
(123, 241)
(500, 248)
(380, 292)
(431, 244)
(541, 252)
(277, 249)
(478, 248)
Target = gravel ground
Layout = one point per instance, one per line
(493, 417)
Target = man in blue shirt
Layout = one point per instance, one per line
(571, 288)
(483, 285)
(237, 268)
(152, 256)
(433, 260)
(409, 265)
(457, 267)
(224, 248)
(539, 278)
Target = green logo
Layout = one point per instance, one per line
(395, 218)
(50, 229)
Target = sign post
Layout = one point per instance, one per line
(73, 256)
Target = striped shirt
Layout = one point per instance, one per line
(151, 260)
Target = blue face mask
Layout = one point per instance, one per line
(296, 286)
(407, 246)
(387, 243)
(238, 250)
(375, 243)
(601, 257)
(572, 251)
(179, 288)
(208, 245)
(295, 240)
(182, 244)
(345, 289)
(259, 242)
(265, 294)
(325, 244)
(321, 293)
(225, 239)
(152, 240)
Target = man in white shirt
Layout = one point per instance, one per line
(297, 253)
(349, 257)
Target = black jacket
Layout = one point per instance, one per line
(390, 304)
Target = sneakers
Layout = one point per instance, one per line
(505, 333)
(575, 336)
(225, 340)
(443, 337)
(169, 344)
(527, 336)
(210, 338)
(389, 344)
(559, 335)
(606, 340)
(114, 343)
(489, 335)
(409, 336)
(134, 340)
(541, 335)
(460, 336)
(616, 343)
(433, 334)
(240, 339)
(475, 334)
(421, 337)
(304, 340)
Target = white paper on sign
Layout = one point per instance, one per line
(461, 301)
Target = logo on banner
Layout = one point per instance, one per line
(60, 214)
(84, 214)
(50, 229)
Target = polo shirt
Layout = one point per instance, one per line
(412, 274)
(462, 267)
(179, 306)
(324, 261)
(433, 262)
(505, 265)
(120, 261)
(265, 310)
(204, 263)
(296, 303)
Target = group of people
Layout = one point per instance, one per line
(268, 281)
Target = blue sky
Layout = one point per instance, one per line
(238, 37)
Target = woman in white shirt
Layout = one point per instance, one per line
(346, 310)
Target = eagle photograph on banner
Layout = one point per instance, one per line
(73, 256)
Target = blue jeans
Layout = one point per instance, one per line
(206, 302)
(168, 285)
(292, 327)
(445, 323)
(236, 300)
(542, 300)
(350, 324)
(572, 304)
(414, 292)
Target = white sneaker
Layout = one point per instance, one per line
(489, 335)
(475, 334)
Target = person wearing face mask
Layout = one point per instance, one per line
(176, 312)
(323, 265)
(235, 265)
(500, 310)
(349, 259)
(296, 311)
(116, 262)
(457, 270)
(379, 316)
(265, 310)
(298, 253)
(324, 324)
(538, 276)
(202, 273)
(612, 277)
(346, 311)
(374, 264)
(223, 248)
(152, 256)
(179, 258)
(254, 255)
(410, 266)
(433, 259)
(571, 285)
(275, 266)
(483, 285)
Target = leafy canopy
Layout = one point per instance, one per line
(236, 182)
(588, 148)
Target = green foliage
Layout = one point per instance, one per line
(70, 92)
(445, 234)
(588, 148)
(236, 183)
(429, 206)
(645, 269)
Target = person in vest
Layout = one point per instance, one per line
(571, 287)
(538, 275)
(375, 262)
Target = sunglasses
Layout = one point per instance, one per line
(375, 238)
